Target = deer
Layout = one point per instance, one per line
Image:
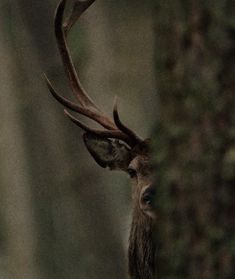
(114, 146)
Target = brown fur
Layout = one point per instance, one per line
(141, 252)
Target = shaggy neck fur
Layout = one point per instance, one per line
(141, 252)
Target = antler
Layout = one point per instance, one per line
(86, 107)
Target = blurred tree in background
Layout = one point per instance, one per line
(194, 139)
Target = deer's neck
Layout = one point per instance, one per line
(141, 254)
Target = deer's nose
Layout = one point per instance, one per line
(147, 197)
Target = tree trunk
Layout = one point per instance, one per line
(16, 196)
(194, 139)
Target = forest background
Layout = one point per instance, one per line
(171, 64)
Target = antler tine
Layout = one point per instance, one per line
(115, 129)
(90, 108)
(78, 8)
(121, 126)
(105, 122)
(71, 73)
(115, 134)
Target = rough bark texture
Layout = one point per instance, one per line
(195, 151)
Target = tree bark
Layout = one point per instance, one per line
(194, 139)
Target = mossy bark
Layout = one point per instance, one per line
(194, 139)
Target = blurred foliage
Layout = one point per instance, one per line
(194, 139)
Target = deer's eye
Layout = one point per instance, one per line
(132, 172)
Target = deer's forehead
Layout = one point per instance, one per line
(141, 163)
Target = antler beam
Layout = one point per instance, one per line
(86, 106)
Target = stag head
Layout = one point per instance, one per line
(115, 146)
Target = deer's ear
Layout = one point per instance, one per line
(108, 153)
